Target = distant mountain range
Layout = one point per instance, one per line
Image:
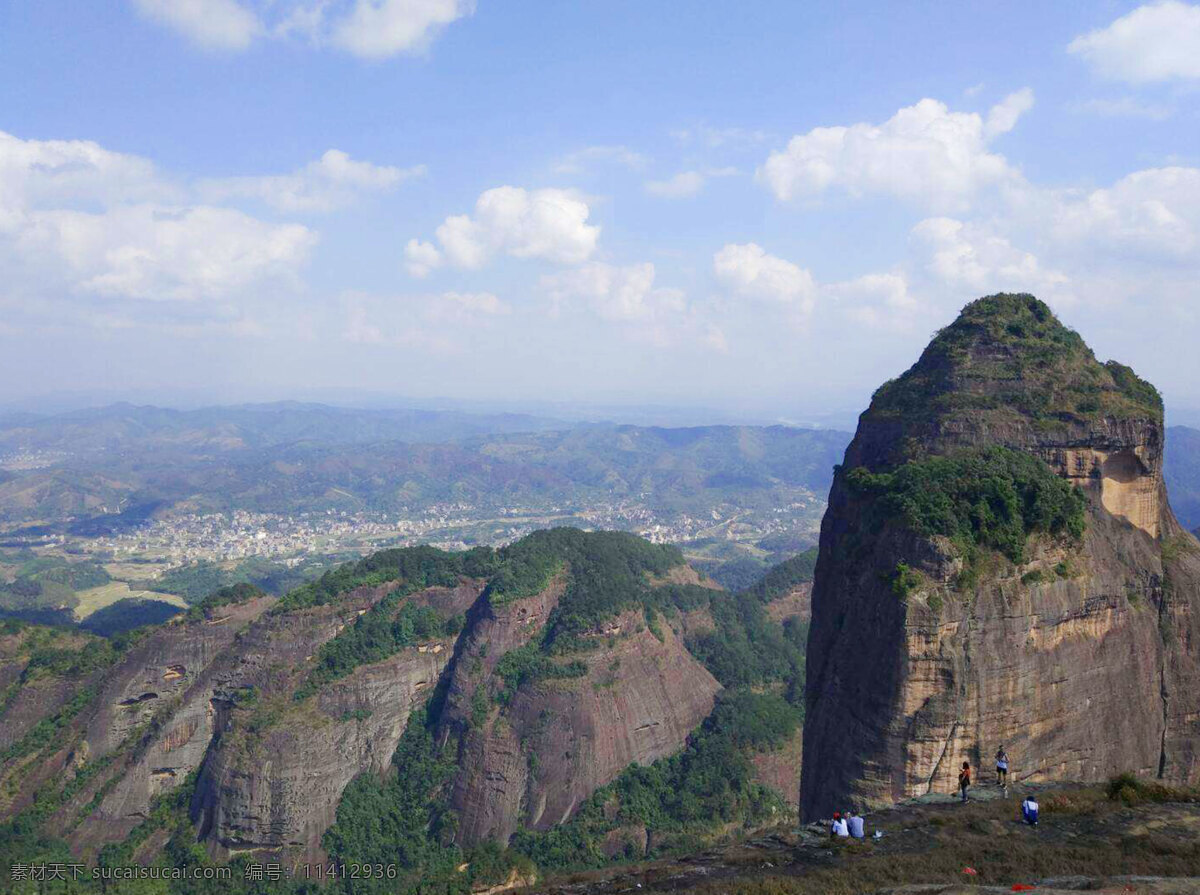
(119, 465)
(125, 427)
(123, 464)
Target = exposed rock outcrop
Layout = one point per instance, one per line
(278, 789)
(1083, 659)
(532, 757)
(272, 710)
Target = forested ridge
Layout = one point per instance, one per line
(402, 817)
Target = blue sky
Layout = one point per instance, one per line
(759, 207)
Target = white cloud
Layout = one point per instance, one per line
(1152, 215)
(360, 328)
(747, 270)
(421, 258)
(615, 293)
(685, 184)
(966, 256)
(627, 297)
(376, 29)
(370, 29)
(333, 181)
(1004, 115)
(77, 217)
(879, 299)
(1155, 42)
(924, 153)
(578, 161)
(163, 252)
(216, 24)
(547, 224)
(74, 173)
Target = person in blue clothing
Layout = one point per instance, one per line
(858, 829)
(1029, 810)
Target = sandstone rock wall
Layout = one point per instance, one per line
(1083, 662)
(174, 706)
(1079, 676)
(280, 791)
(534, 760)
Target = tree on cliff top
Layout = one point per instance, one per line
(1008, 356)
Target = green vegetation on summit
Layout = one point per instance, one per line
(414, 567)
(403, 817)
(608, 572)
(1009, 355)
(66, 655)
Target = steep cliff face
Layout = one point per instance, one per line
(214, 696)
(529, 754)
(276, 770)
(963, 600)
(117, 723)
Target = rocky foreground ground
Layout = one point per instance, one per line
(1086, 841)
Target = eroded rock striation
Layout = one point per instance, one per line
(964, 600)
(544, 670)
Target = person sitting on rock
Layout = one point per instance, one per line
(839, 827)
(1029, 810)
(858, 829)
(964, 779)
(1001, 767)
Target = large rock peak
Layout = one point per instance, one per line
(965, 599)
(1008, 372)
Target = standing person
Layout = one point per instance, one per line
(964, 779)
(858, 829)
(1002, 767)
(1029, 810)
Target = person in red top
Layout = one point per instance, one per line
(964, 779)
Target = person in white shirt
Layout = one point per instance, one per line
(1029, 810)
(1001, 767)
(839, 828)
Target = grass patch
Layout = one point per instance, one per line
(1132, 790)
